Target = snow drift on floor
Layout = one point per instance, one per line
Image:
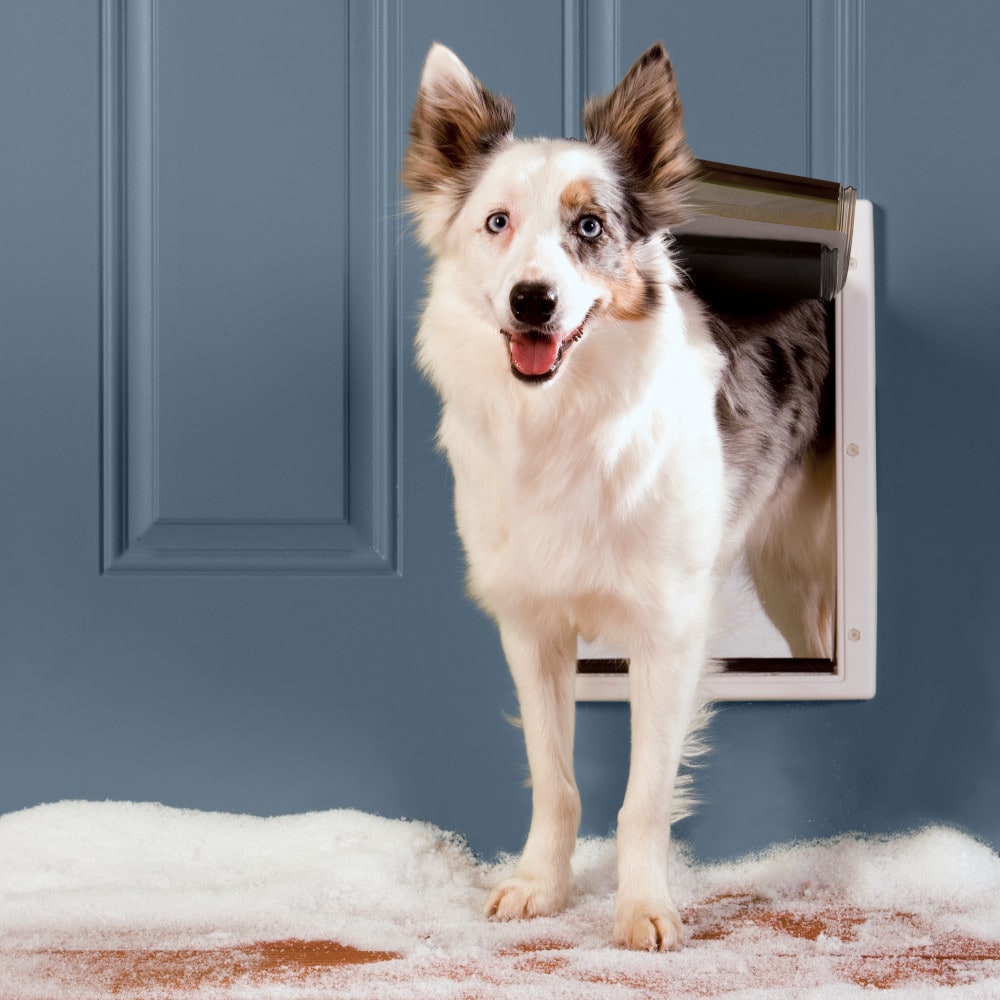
(126, 875)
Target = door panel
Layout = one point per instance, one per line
(250, 348)
(249, 317)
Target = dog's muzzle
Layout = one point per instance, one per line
(536, 351)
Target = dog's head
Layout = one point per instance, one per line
(545, 238)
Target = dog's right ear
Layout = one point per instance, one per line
(642, 122)
(456, 121)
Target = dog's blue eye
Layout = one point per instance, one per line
(589, 227)
(498, 222)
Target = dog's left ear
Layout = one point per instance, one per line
(456, 121)
(643, 122)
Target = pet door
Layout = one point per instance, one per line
(754, 660)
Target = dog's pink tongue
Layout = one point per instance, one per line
(533, 354)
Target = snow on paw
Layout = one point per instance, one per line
(523, 898)
(645, 926)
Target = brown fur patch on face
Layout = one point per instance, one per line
(641, 124)
(577, 197)
(633, 296)
(609, 256)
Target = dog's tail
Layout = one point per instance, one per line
(696, 746)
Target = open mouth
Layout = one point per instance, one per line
(535, 356)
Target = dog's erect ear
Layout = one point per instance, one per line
(642, 121)
(456, 121)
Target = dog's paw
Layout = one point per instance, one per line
(647, 926)
(522, 898)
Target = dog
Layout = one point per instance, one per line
(616, 443)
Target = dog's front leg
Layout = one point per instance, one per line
(663, 688)
(544, 670)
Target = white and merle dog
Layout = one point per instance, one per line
(615, 442)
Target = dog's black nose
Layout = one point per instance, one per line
(533, 302)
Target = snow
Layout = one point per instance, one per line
(129, 875)
(76, 870)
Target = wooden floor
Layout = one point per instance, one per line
(126, 971)
(322, 966)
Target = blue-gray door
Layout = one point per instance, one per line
(228, 571)
(229, 576)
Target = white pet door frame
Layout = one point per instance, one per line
(774, 676)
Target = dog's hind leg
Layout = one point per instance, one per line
(791, 554)
(544, 671)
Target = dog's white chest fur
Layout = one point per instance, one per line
(590, 505)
